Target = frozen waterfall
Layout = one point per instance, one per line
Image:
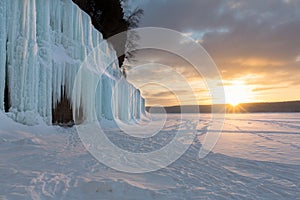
(42, 46)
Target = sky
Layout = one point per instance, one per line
(255, 45)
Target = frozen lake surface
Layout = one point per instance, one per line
(256, 157)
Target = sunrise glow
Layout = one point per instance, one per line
(237, 92)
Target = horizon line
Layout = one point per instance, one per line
(228, 104)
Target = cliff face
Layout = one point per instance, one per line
(108, 18)
(42, 46)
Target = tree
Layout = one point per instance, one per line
(111, 17)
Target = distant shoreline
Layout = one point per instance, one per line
(272, 107)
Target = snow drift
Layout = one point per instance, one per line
(42, 45)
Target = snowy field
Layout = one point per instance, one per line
(256, 157)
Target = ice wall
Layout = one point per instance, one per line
(3, 35)
(42, 45)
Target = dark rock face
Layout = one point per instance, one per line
(107, 17)
(6, 90)
(62, 113)
(6, 98)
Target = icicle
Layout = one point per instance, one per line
(43, 45)
(3, 39)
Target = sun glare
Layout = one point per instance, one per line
(234, 103)
(237, 93)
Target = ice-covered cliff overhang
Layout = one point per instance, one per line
(42, 46)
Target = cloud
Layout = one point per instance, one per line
(258, 41)
(259, 89)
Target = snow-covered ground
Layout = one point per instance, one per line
(256, 157)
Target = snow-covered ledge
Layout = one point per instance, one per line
(42, 45)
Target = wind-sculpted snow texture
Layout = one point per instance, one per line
(257, 157)
(42, 46)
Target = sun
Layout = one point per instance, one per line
(234, 103)
(234, 97)
(237, 93)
